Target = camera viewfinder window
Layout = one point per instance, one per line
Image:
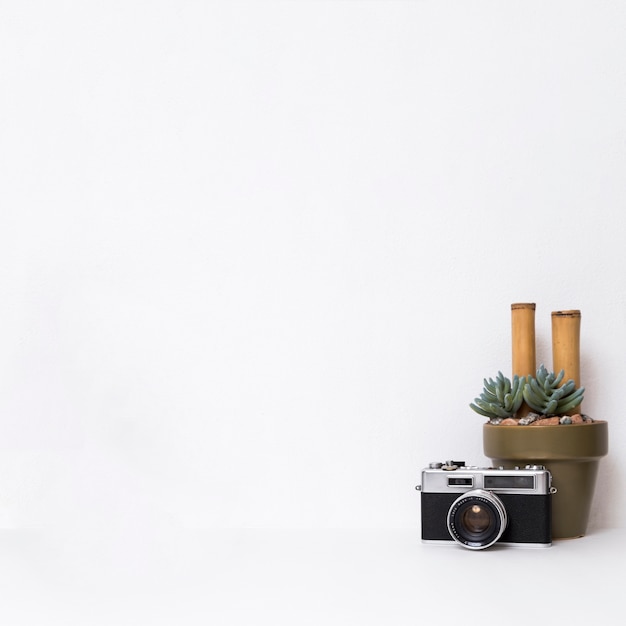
(454, 481)
(509, 482)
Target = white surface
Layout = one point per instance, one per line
(257, 257)
(305, 577)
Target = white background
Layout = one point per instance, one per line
(256, 258)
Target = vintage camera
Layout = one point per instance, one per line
(477, 507)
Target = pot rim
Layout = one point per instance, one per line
(559, 441)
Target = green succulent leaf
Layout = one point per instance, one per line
(500, 398)
(545, 394)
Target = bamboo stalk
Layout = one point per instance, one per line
(566, 347)
(523, 344)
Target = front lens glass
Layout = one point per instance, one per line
(477, 518)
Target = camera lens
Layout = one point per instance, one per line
(477, 519)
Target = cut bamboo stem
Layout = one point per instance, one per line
(566, 347)
(523, 344)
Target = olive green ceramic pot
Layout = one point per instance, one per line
(571, 452)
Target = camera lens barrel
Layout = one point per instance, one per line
(477, 519)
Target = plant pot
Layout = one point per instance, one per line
(571, 452)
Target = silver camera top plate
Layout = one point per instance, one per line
(456, 477)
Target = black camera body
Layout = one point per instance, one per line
(478, 507)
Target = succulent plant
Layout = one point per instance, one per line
(543, 393)
(500, 397)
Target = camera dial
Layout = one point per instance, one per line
(450, 466)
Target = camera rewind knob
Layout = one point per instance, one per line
(449, 466)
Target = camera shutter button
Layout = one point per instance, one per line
(535, 467)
